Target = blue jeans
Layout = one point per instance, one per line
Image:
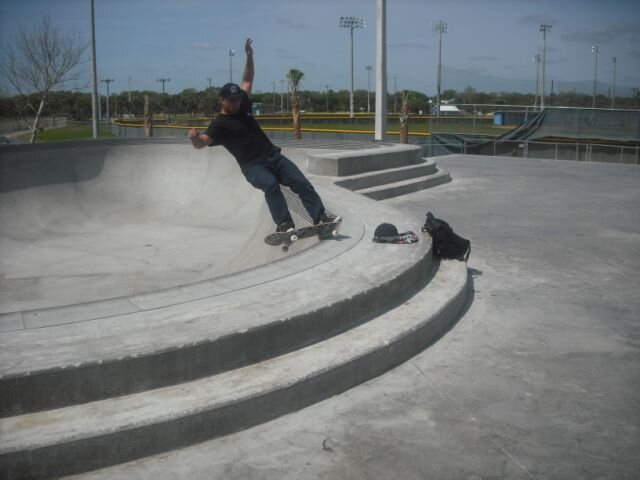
(278, 170)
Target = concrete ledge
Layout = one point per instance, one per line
(391, 175)
(339, 164)
(86, 437)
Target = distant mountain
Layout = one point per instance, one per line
(459, 79)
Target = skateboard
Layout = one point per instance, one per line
(323, 230)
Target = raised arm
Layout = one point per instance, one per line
(247, 76)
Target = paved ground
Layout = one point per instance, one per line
(539, 379)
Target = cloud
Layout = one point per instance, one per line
(285, 54)
(288, 23)
(484, 58)
(205, 46)
(602, 35)
(536, 19)
(411, 45)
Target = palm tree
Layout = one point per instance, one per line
(294, 76)
(404, 118)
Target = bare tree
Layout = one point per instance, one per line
(40, 60)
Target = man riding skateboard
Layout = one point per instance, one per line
(261, 162)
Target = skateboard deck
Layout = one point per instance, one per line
(285, 239)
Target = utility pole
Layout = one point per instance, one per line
(327, 87)
(369, 69)
(107, 81)
(94, 77)
(232, 54)
(163, 81)
(282, 95)
(537, 58)
(381, 69)
(544, 29)
(613, 89)
(595, 50)
(273, 96)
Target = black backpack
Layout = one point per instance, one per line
(446, 243)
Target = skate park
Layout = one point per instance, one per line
(147, 331)
(345, 348)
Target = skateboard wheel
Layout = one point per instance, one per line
(294, 238)
(334, 233)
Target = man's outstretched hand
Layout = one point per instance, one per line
(247, 47)
(192, 133)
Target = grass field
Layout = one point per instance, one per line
(85, 131)
(73, 132)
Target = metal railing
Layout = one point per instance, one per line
(585, 152)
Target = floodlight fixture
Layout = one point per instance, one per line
(352, 22)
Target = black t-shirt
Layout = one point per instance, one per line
(241, 135)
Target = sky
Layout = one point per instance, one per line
(489, 44)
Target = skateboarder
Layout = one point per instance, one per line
(261, 162)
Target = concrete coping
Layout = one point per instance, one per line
(339, 164)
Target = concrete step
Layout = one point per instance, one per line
(392, 175)
(381, 157)
(169, 337)
(404, 187)
(107, 432)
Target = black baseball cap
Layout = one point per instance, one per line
(385, 231)
(230, 91)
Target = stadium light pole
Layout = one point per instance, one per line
(595, 50)
(369, 69)
(232, 53)
(439, 27)
(613, 89)
(544, 29)
(352, 23)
